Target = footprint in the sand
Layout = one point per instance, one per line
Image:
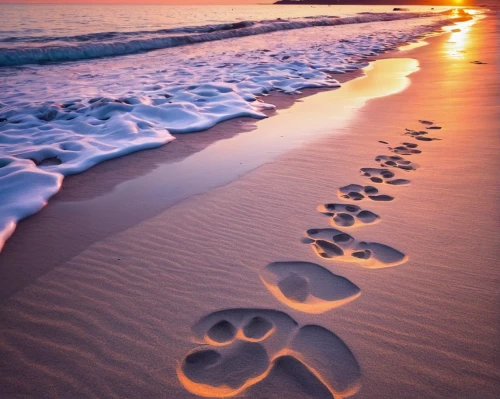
(396, 161)
(295, 376)
(382, 175)
(422, 134)
(429, 125)
(333, 244)
(425, 122)
(357, 192)
(308, 287)
(405, 149)
(242, 348)
(345, 215)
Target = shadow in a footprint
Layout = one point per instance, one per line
(318, 362)
(329, 357)
(222, 332)
(226, 326)
(299, 380)
(406, 149)
(382, 175)
(308, 287)
(357, 192)
(422, 134)
(225, 369)
(396, 161)
(333, 244)
(344, 215)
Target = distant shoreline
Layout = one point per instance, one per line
(371, 3)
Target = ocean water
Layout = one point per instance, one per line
(57, 20)
(85, 83)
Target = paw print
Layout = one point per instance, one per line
(241, 348)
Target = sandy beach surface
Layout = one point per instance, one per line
(284, 270)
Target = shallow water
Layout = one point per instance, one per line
(61, 118)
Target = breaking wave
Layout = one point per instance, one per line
(95, 45)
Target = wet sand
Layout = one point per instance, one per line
(411, 308)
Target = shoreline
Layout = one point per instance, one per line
(115, 319)
(69, 168)
(68, 208)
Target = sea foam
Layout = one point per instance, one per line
(58, 120)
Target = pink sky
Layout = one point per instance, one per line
(451, 2)
(143, 2)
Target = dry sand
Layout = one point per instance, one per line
(420, 318)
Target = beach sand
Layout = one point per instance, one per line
(124, 309)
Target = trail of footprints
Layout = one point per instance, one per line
(246, 349)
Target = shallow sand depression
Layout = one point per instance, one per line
(229, 293)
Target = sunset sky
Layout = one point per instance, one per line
(451, 2)
(143, 2)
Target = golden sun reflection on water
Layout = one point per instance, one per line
(458, 39)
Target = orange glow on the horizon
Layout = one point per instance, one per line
(142, 3)
(215, 2)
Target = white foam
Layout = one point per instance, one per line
(94, 111)
(25, 189)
